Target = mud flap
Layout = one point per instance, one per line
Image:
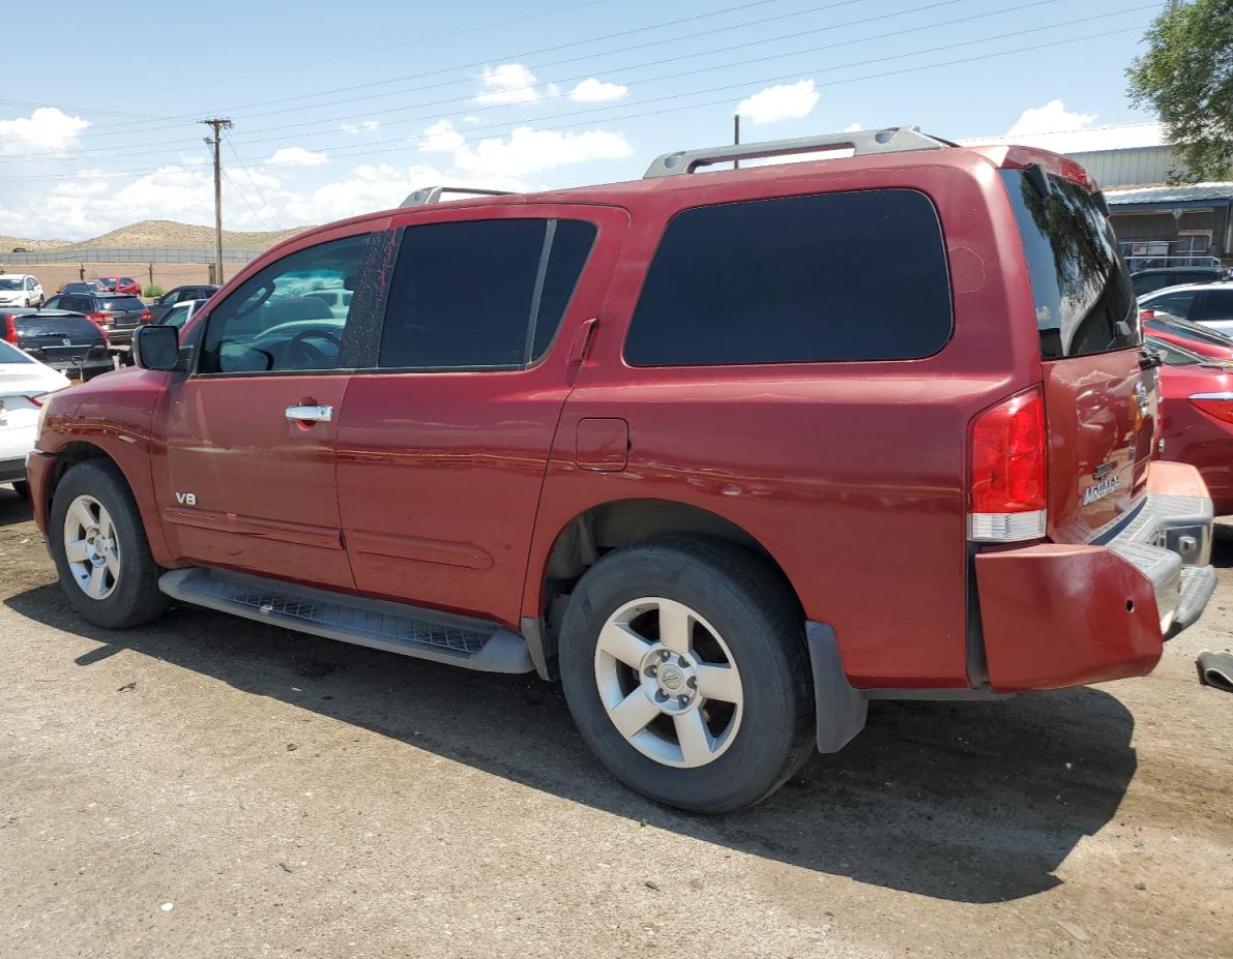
(840, 709)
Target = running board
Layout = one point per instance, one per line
(393, 627)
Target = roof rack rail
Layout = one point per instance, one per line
(864, 142)
(432, 194)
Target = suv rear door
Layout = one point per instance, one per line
(248, 476)
(443, 443)
(1100, 405)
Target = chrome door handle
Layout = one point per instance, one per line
(310, 414)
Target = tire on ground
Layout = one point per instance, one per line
(136, 598)
(759, 619)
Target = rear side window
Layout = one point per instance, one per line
(1180, 303)
(1218, 305)
(75, 326)
(481, 293)
(836, 276)
(1083, 296)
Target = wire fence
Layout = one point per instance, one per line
(140, 254)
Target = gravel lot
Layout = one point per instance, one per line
(207, 787)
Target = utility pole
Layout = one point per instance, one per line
(736, 137)
(218, 125)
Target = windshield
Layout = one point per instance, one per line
(10, 283)
(11, 354)
(1083, 297)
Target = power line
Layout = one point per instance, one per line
(727, 99)
(253, 183)
(706, 69)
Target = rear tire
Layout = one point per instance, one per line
(99, 544)
(712, 723)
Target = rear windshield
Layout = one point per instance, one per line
(11, 354)
(10, 283)
(77, 326)
(122, 303)
(1192, 331)
(1174, 355)
(1083, 297)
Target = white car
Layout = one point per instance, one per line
(24, 381)
(1208, 303)
(20, 289)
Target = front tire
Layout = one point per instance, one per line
(100, 548)
(684, 664)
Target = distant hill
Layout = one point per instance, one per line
(167, 233)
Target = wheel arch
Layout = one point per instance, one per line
(606, 526)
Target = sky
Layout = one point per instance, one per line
(343, 108)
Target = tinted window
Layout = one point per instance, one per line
(177, 316)
(1218, 305)
(1083, 296)
(839, 276)
(1163, 323)
(1179, 304)
(11, 354)
(78, 327)
(483, 293)
(122, 303)
(271, 323)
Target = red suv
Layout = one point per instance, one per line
(729, 453)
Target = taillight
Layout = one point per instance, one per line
(100, 319)
(10, 329)
(145, 316)
(1072, 171)
(1216, 405)
(1007, 489)
(1147, 313)
(36, 399)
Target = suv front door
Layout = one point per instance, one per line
(443, 444)
(248, 477)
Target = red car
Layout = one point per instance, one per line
(1194, 337)
(1196, 394)
(729, 454)
(121, 284)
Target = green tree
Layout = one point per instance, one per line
(1187, 77)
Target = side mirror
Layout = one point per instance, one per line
(156, 347)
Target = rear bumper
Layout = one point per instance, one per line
(1059, 614)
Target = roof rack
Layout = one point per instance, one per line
(863, 142)
(432, 194)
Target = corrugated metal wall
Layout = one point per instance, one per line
(1136, 167)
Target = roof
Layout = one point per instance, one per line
(1194, 193)
(1127, 136)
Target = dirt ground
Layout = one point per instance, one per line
(207, 787)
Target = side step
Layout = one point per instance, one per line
(393, 627)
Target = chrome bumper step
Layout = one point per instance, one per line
(393, 627)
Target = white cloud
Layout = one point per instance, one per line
(471, 119)
(367, 126)
(441, 137)
(593, 90)
(46, 130)
(853, 128)
(527, 150)
(1053, 117)
(507, 84)
(297, 156)
(788, 101)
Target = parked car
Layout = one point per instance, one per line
(1210, 304)
(118, 315)
(179, 294)
(24, 385)
(1164, 327)
(1197, 417)
(120, 284)
(729, 454)
(1148, 281)
(68, 342)
(20, 289)
(84, 286)
(337, 300)
(179, 315)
